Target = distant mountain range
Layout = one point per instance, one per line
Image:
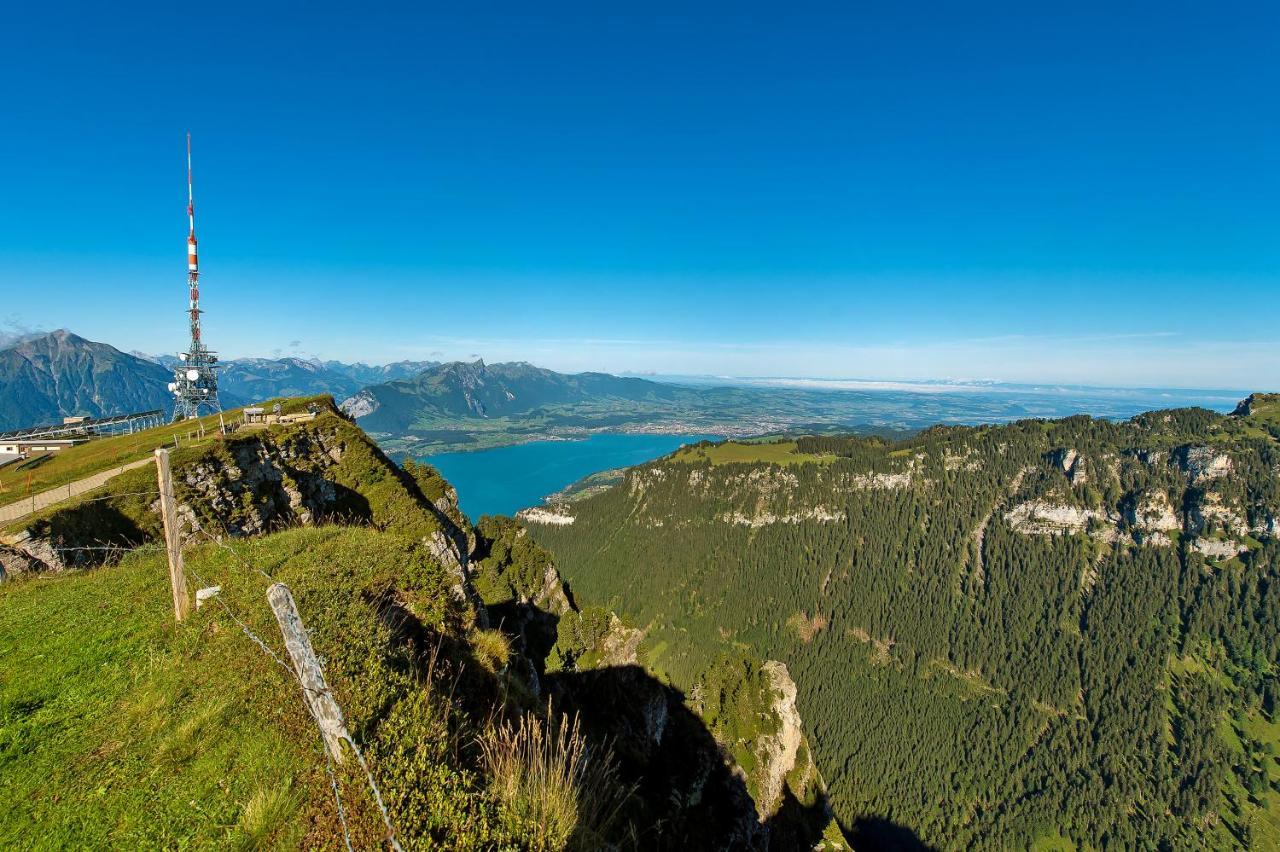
(248, 379)
(46, 377)
(423, 407)
(50, 376)
(476, 405)
(479, 391)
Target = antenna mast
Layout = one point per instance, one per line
(195, 383)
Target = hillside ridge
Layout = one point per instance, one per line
(1001, 598)
(384, 567)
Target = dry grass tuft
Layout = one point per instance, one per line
(558, 792)
(491, 648)
(269, 810)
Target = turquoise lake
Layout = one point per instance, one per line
(504, 480)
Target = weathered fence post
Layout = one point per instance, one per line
(320, 700)
(172, 536)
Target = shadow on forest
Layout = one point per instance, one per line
(882, 835)
(686, 797)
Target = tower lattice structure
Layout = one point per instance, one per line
(195, 380)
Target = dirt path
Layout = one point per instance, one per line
(36, 502)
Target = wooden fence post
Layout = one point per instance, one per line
(320, 700)
(172, 537)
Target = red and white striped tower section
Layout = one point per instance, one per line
(193, 265)
(195, 383)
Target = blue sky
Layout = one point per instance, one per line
(1087, 193)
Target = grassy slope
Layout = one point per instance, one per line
(46, 472)
(119, 728)
(731, 452)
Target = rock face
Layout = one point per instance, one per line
(360, 405)
(1153, 513)
(1041, 517)
(444, 549)
(1203, 463)
(16, 562)
(764, 519)
(1210, 509)
(1218, 548)
(559, 516)
(261, 485)
(1072, 464)
(776, 753)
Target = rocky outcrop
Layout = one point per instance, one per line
(360, 405)
(1218, 548)
(776, 753)
(260, 484)
(551, 597)
(1072, 464)
(879, 481)
(1151, 519)
(1041, 517)
(1210, 509)
(554, 515)
(16, 561)
(1203, 463)
(764, 519)
(620, 644)
(444, 549)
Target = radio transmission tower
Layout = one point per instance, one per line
(195, 380)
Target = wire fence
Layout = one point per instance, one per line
(293, 674)
(103, 552)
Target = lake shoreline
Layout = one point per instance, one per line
(503, 480)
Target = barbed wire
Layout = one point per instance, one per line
(337, 797)
(386, 817)
(248, 631)
(355, 748)
(195, 522)
(114, 548)
(113, 496)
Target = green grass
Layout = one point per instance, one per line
(734, 452)
(45, 472)
(1266, 408)
(1052, 843)
(1189, 664)
(119, 728)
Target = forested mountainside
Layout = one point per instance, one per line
(47, 377)
(1046, 632)
(493, 711)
